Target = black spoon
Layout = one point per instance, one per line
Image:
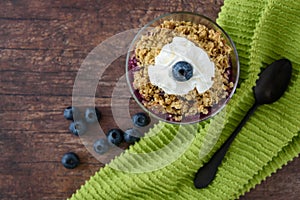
(270, 86)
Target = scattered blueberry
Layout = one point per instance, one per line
(115, 136)
(140, 119)
(101, 146)
(70, 160)
(132, 135)
(78, 127)
(182, 71)
(92, 115)
(70, 112)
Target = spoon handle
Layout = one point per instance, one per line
(206, 173)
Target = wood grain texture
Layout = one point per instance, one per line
(42, 45)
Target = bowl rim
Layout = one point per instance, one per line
(221, 107)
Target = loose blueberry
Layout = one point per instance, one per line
(101, 146)
(70, 160)
(92, 115)
(70, 112)
(132, 135)
(182, 71)
(115, 136)
(78, 127)
(140, 119)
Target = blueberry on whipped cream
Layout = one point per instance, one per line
(182, 71)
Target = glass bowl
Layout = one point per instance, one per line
(194, 106)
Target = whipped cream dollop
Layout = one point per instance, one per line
(182, 49)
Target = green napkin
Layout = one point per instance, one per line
(263, 31)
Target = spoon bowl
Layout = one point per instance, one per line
(273, 82)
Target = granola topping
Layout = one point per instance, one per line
(177, 107)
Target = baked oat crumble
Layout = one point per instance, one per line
(192, 103)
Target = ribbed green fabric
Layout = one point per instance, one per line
(263, 31)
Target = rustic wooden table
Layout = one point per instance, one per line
(42, 45)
